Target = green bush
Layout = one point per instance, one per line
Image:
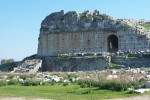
(65, 84)
(13, 82)
(25, 76)
(108, 85)
(82, 83)
(10, 76)
(82, 15)
(115, 86)
(87, 91)
(31, 83)
(3, 83)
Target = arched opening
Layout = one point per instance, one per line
(112, 43)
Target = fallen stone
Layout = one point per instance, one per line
(140, 91)
(148, 84)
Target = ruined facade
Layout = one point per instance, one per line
(72, 32)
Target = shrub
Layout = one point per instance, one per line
(65, 84)
(82, 83)
(82, 15)
(3, 83)
(87, 91)
(13, 82)
(31, 83)
(10, 76)
(108, 85)
(71, 77)
(131, 92)
(25, 76)
(115, 86)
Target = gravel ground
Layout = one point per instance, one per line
(143, 97)
(20, 98)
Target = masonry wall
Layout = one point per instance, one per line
(52, 44)
(133, 40)
(74, 64)
(132, 62)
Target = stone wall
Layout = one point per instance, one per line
(132, 62)
(64, 43)
(81, 33)
(72, 32)
(74, 64)
(91, 41)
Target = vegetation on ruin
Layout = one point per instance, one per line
(97, 17)
(146, 26)
(127, 26)
(78, 55)
(118, 22)
(133, 56)
(112, 64)
(82, 15)
(90, 16)
(139, 56)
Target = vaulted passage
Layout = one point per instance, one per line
(112, 43)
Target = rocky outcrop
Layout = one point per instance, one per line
(73, 21)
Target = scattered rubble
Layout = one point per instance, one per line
(28, 66)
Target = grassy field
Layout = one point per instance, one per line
(60, 92)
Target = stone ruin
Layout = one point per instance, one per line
(86, 33)
(28, 66)
(72, 32)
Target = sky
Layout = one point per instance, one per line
(20, 19)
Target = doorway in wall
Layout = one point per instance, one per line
(112, 41)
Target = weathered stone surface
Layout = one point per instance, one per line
(28, 66)
(140, 91)
(72, 32)
(90, 32)
(148, 84)
(73, 21)
(74, 64)
(132, 62)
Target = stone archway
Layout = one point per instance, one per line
(112, 41)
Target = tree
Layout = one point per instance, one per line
(6, 61)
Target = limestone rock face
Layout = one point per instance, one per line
(72, 32)
(73, 21)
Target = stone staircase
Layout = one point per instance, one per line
(28, 66)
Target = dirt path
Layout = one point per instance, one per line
(20, 98)
(141, 97)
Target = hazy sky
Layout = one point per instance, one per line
(20, 19)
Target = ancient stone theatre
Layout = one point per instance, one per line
(72, 32)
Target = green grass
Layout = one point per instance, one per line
(115, 66)
(147, 26)
(60, 92)
(133, 57)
